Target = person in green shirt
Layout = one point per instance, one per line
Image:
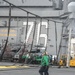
(44, 64)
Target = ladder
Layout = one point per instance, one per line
(65, 42)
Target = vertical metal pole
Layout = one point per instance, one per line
(56, 37)
(47, 34)
(33, 34)
(40, 24)
(40, 28)
(9, 20)
(17, 32)
(26, 32)
(7, 32)
(60, 43)
(69, 48)
(25, 42)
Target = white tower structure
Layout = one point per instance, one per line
(68, 34)
(71, 29)
(71, 8)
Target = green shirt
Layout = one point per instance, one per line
(45, 60)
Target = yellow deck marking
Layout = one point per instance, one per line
(9, 67)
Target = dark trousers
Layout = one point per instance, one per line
(44, 70)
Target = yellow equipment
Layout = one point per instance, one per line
(72, 63)
(62, 61)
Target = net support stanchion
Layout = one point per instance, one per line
(7, 33)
